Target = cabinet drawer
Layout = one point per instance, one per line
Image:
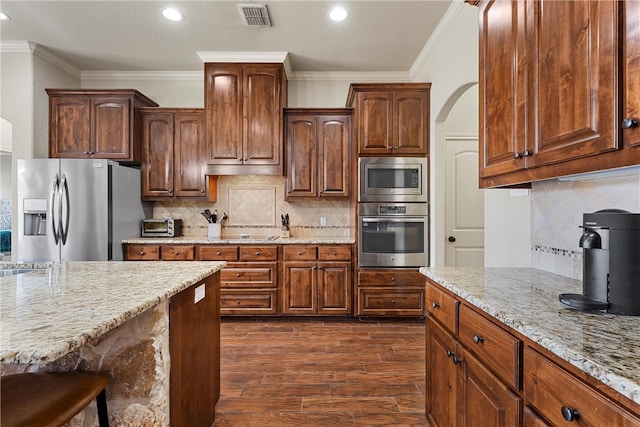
(498, 349)
(334, 253)
(217, 253)
(242, 275)
(300, 253)
(258, 253)
(391, 278)
(549, 388)
(244, 302)
(142, 252)
(441, 306)
(177, 252)
(390, 301)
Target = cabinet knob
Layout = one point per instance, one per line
(299, 253)
(258, 253)
(629, 123)
(517, 155)
(218, 253)
(142, 253)
(478, 339)
(451, 239)
(170, 191)
(237, 274)
(456, 360)
(176, 253)
(570, 414)
(393, 301)
(87, 152)
(527, 153)
(450, 353)
(435, 305)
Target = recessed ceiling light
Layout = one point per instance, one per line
(4, 17)
(172, 14)
(338, 14)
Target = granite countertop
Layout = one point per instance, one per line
(605, 346)
(49, 313)
(195, 240)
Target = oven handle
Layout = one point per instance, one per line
(395, 219)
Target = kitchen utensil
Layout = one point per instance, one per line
(224, 217)
(207, 217)
(214, 217)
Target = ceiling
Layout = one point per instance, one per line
(378, 36)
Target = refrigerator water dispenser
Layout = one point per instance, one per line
(35, 217)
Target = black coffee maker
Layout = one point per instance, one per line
(611, 266)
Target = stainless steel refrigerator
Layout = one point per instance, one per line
(77, 209)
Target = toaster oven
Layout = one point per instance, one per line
(167, 227)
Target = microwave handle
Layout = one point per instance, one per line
(394, 219)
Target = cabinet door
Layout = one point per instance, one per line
(189, 178)
(575, 77)
(334, 133)
(302, 157)
(334, 288)
(262, 111)
(157, 154)
(374, 111)
(300, 288)
(223, 111)
(631, 72)
(441, 376)
(483, 399)
(502, 87)
(69, 127)
(110, 128)
(410, 123)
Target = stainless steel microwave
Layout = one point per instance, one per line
(392, 179)
(167, 227)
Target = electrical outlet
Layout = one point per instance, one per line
(199, 295)
(323, 221)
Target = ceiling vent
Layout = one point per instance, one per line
(254, 15)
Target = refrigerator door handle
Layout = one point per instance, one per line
(64, 227)
(54, 192)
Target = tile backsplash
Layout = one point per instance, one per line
(556, 214)
(254, 205)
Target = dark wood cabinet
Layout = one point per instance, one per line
(97, 124)
(390, 118)
(149, 252)
(318, 144)
(243, 115)
(317, 280)
(390, 292)
(550, 89)
(172, 153)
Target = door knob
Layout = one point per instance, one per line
(451, 239)
(629, 123)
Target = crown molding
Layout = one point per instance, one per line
(438, 33)
(142, 75)
(17, 46)
(353, 76)
(280, 57)
(23, 46)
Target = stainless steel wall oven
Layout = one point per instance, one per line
(393, 235)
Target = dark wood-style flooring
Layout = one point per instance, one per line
(322, 372)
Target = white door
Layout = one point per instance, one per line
(465, 205)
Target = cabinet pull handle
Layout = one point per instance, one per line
(570, 414)
(435, 305)
(629, 123)
(478, 339)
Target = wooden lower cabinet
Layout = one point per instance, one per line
(390, 292)
(315, 281)
(144, 252)
(480, 372)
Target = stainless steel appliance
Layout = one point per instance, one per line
(393, 179)
(393, 235)
(77, 209)
(611, 265)
(167, 227)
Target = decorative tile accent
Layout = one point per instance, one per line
(252, 206)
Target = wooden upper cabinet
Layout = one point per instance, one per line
(551, 88)
(391, 119)
(573, 63)
(243, 115)
(97, 124)
(631, 74)
(318, 144)
(502, 87)
(172, 153)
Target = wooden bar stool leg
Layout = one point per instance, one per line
(101, 403)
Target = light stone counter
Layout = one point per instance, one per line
(237, 241)
(605, 346)
(45, 315)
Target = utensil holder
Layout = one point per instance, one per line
(285, 233)
(214, 231)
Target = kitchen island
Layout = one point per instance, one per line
(551, 360)
(152, 327)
